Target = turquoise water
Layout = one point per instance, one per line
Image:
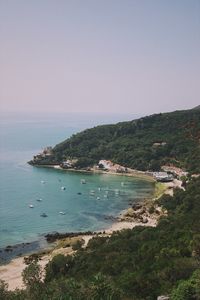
(20, 184)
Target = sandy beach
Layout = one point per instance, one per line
(11, 273)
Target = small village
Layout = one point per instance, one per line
(167, 174)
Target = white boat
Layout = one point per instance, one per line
(42, 181)
(98, 198)
(63, 188)
(83, 181)
(62, 213)
(39, 199)
(31, 205)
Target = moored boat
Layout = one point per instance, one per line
(43, 215)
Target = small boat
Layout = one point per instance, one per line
(39, 199)
(79, 193)
(106, 196)
(43, 215)
(42, 181)
(62, 213)
(99, 189)
(31, 205)
(92, 192)
(63, 188)
(122, 183)
(98, 198)
(83, 181)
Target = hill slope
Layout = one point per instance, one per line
(144, 144)
(197, 107)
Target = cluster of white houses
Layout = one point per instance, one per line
(163, 176)
(108, 165)
(167, 174)
(174, 170)
(67, 164)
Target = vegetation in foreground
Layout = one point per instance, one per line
(132, 264)
(143, 144)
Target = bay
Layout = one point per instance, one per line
(21, 185)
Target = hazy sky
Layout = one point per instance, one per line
(116, 56)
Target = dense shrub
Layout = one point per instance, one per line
(133, 144)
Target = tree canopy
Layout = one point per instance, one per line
(143, 144)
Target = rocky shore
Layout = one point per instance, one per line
(52, 237)
(62, 244)
(12, 251)
(146, 213)
(142, 213)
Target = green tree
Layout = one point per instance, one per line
(196, 245)
(102, 289)
(4, 294)
(58, 266)
(32, 277)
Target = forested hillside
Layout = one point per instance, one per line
(145, 262)
(137, 264)
(143, 144)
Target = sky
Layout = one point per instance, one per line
(101, 56)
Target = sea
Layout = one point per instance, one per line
(84, 207)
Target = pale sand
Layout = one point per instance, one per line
(12, 272)
(129, 225)
(172, 185)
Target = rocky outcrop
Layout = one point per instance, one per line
(142, 213)
(52, 237)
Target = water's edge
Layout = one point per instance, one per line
(27, 248)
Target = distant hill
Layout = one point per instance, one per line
(143, 144)
(197, 107)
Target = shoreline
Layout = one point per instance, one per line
(11, 272)
(29, 247)
(131, 173)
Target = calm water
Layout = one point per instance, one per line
(20, 184)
